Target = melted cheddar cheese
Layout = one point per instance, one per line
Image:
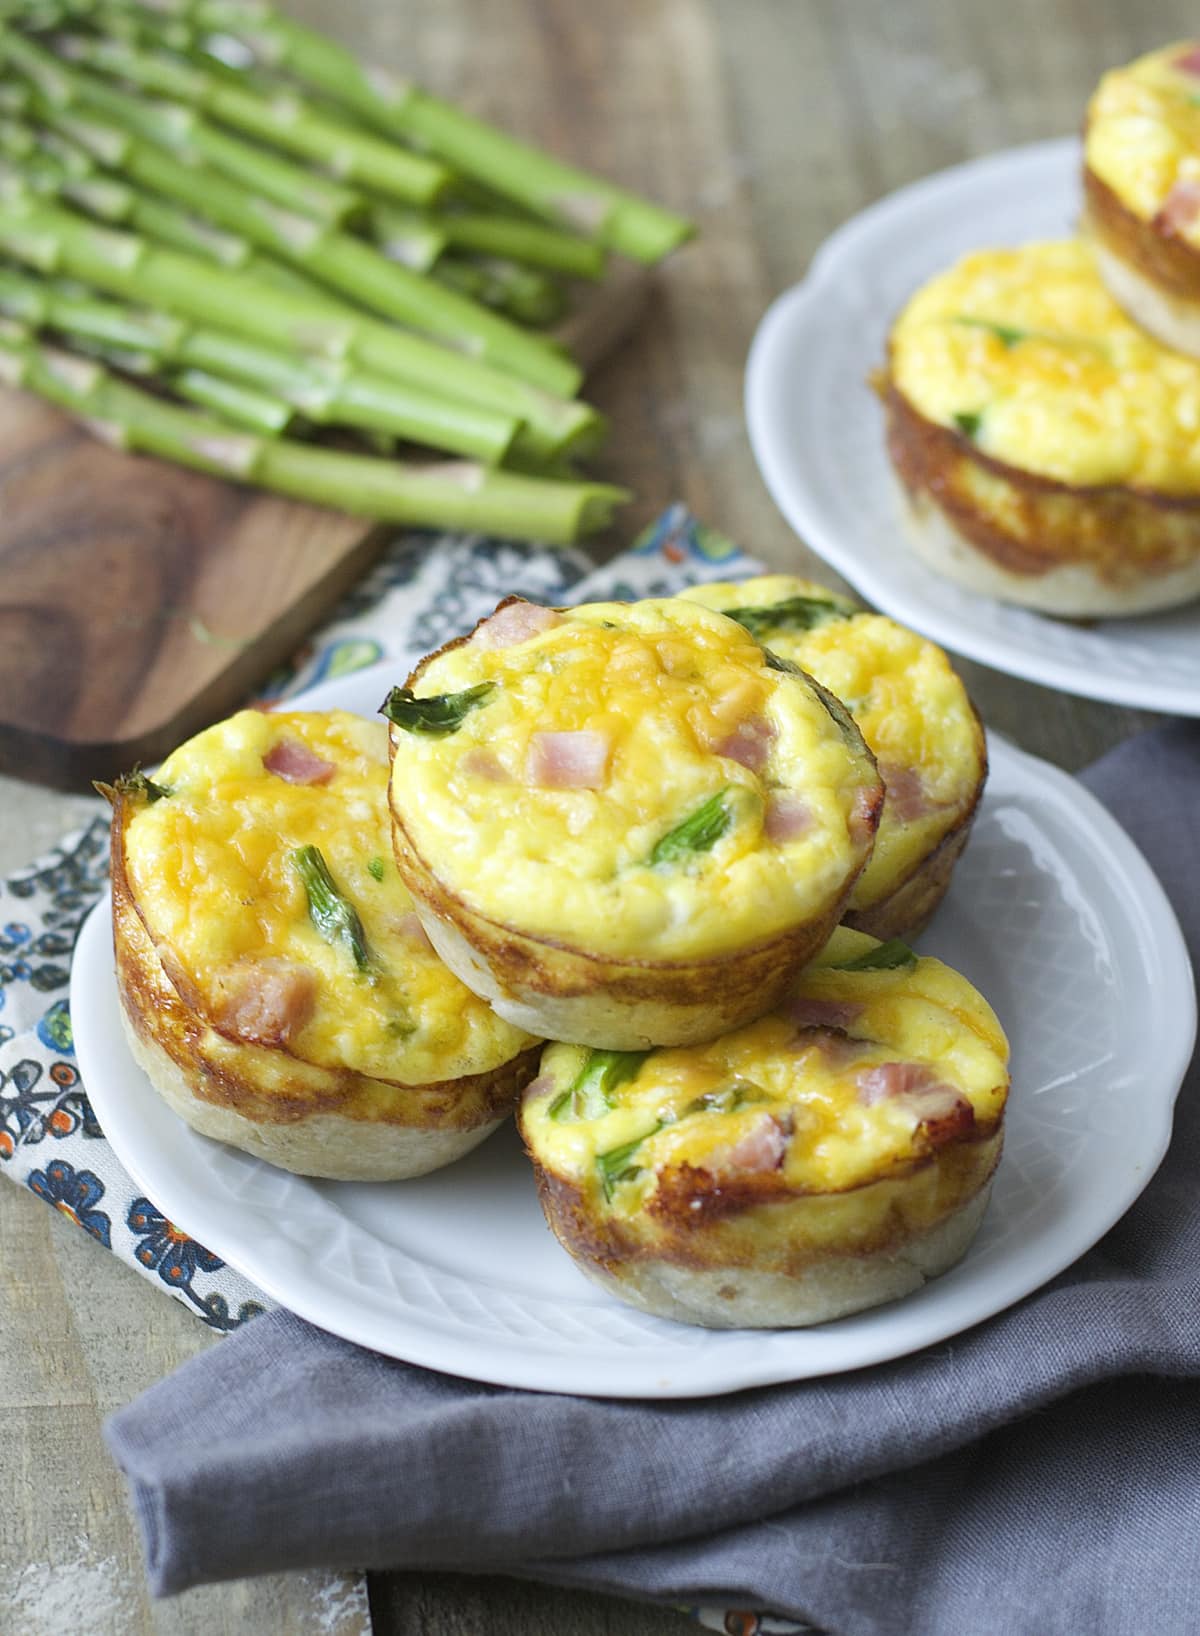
(693, 1106)
(212, 870)
(1143, 132)
(1026, 354)
(901, 690)
(661, 685)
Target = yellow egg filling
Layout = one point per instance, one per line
(1024, 353)
(901, 690)
(612, 1122)
(212, 868)
(1143, 134)
(668, 851)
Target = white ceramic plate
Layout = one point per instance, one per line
(817, 431)
(1054, 915)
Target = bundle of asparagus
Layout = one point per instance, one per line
(221, 235)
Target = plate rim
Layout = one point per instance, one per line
(766, 373)
(690, 1372)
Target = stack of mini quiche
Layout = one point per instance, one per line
(1043, 403)
(685, 842)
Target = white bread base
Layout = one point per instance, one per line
(1071, 592)
(326, 1145)
(598, 1019)
(834, 1287)
(1171, 319)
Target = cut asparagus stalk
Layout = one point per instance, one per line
(148, 213)
(123, 264)
(186, 134)
(238, 404)
(549, 188)
(424, 235)
(331, 911)
(412, 237)
(527, 242)
(286, 122)
(337, 258)
(529, 296)
(327, 393)
(452, 495)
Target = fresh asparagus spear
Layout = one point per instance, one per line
(452, 495)
(329, 393)
(67, 99)
(549, 188)
(240, 405)
(531, 243)
(123, 264)
(188, 136)
(83, 183)
(286, 122)
(529, 296)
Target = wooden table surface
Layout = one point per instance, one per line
(771, 121)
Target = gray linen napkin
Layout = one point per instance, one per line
(1038, 1474)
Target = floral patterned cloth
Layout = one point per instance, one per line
(423, 591)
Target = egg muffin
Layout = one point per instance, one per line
(625, 824)
(833, 1155)
(1142, 190)
(915, 716)
(1047, 446)
(275, 983)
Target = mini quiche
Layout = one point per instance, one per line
(1048, 447)
(913, 712)
(1142, 190)
(275, 984)
(625, 824)
(828, 1157)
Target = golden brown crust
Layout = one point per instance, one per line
(266, 1085)
(1152, 247)
(761, 1256)
(1118, 539)
(558, 990)
(564, 992)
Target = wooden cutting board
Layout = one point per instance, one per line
(139, 601)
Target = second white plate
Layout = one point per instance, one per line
(817, 432)
(1053, 914)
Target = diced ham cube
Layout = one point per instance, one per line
(906, 794)
(1188, 62)
(942, 1113)
(787, 817)
(481, 762)
(812, 1013)
(1180, 208)
(294, 762)
(761, 1149)
(888, 1079)
(568, 761)
(514, 622)
(268, 1001)
(749, 743)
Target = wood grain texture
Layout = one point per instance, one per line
(772, 120)
(139, 601)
